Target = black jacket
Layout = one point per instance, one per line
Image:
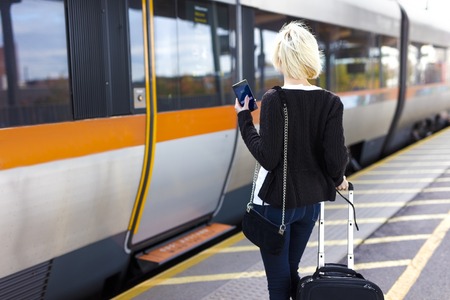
(317, 156)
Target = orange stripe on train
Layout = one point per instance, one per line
(29, 145)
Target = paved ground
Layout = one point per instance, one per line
(403, 210)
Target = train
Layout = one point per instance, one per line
(119, 146)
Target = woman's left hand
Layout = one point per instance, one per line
(343, 186)
(238, 107)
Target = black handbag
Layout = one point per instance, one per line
(258, 229)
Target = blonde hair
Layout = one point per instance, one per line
(296, 52)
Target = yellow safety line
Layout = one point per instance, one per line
(435, 153)
(432, 157)
(417, 163)
(428, 202)
(397, 154)
(394, 239)
(404, 283)
(409, 172)
(256, 274)
(401, 180)
(390, 204)
(390, 220)
(371, 241)
(404, 190)
(213, 277)
(382, 264)
(387, 239)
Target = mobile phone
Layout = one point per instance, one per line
(242, 89)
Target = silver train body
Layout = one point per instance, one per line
(118, 132)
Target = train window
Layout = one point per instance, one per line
(432, 64)
(267, 26)
(447, 66)
(358, 60)
(34, 84)
(137, 53)
(352, 58)
(193, 57)
(426, 64)
(413, 72)
(389, 62)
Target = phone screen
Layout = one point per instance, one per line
(242, 89)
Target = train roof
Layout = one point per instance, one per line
(382, 17)
(427, 27)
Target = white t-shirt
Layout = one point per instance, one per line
(263, 172)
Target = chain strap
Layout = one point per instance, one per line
(285, 149)
(255, 177)
(257, 166)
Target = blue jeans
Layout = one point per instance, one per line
(282, 270)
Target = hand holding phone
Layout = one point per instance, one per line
(242, 89)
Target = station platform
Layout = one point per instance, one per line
(403, 212)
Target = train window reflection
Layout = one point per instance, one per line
(353, 59)
(34, 86)
(390, 62)
(447, 67)
(426, 64)
(358, 60)
(136, 50)
(432, 60)
(413, 66)
(265, 74)
(192, 54)
(267, 25)
(354, 55)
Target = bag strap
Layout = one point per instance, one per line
(285, 148)
(350, 188)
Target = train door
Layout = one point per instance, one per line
(191, 124)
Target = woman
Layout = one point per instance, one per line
(317, 156)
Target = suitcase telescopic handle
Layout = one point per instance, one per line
(351, 222)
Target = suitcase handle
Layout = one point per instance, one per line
(342, 270)
(351, 224)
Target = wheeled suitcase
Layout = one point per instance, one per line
(337, 281)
